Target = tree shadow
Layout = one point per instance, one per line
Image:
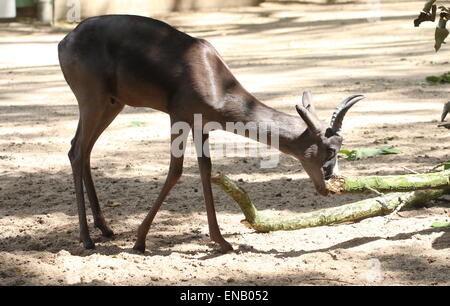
(134, 203)
(407, 267)
(439, 243)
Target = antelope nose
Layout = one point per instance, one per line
(327, 174)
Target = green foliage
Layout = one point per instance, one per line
(434, 80)
(137, 123)
(447, 165)
(369, 152)
(349, 154)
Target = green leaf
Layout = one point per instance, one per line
(447, 165)
(369, 152)
(137, 123)
(389, 150)
(440, 224)
(349, 154)
(445, 78)
(346, 152)
(432, 79)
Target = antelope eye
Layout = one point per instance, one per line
(331, 153)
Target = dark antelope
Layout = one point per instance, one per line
(117, 60)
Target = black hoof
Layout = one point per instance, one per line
(225, 247)
(108, 233)
(139, 248)
(89, 245)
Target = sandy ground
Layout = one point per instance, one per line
(276, 51)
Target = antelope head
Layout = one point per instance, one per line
(322, 141)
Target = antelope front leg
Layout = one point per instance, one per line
(175, 172)
(204, 163)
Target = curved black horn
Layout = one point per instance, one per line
(341, 110)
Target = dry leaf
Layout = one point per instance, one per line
(439, 36)
(114, 204)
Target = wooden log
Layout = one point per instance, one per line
(390, 183)
(350, 212)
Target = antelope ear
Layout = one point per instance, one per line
(307, 101)
(310, 120)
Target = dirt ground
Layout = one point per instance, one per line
(276, 51)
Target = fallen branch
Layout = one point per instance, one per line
(350, 212)
(390, 183)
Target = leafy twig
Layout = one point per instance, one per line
(426, 15)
